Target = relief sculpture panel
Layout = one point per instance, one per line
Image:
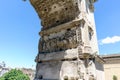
(59, 43)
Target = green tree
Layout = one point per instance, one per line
(115, 77)
(14, 75)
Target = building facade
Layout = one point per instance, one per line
(68, 48)
(112, 66)
(3, 69)
(28, 71)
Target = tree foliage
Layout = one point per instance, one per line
(114, 77)
(14, 75)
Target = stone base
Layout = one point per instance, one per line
(67, 65)
(57, 70)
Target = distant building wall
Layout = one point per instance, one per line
(112, 66)
(3, 69)
(30, 72)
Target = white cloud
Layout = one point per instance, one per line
(110, 40)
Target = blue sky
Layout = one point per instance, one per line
(19, 27)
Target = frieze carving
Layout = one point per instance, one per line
(59, 43)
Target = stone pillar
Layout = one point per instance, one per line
(66, 50)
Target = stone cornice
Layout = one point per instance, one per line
(112, 58)
(65, 26)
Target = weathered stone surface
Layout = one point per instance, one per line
(59, 69)
(58, 56)
(68, 46)
(58, 41)
(47, 9)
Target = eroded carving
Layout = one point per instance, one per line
(59, 43)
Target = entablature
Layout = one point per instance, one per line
(65, 26)
(56, 12)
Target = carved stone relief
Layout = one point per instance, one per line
(59, 43)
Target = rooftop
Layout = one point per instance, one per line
(111, 56)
